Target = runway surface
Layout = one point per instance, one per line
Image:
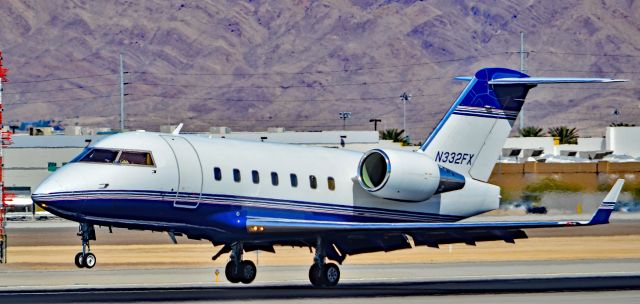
(418, 281)
(529, 281)
(349, 290)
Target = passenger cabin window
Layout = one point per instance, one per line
(294, 180)
(135, 158)
(331, 183)
(274, 178)
(255, 176)
(313, 182)
(100, 156)
(236, 175)
(217, 173)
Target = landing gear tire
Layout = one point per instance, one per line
(79, 260)
(248, 272)
(84, 258)
(89, 260)
(232, 272)
(326, 276)
(315, 276)
(244, 272)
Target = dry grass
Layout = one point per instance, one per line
(199, 255)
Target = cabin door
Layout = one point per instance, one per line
(189, 189)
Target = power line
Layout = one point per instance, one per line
(62, 89)
(274, 100)
(64, 78)
(43, 101)
(345, 70)
(363, 83)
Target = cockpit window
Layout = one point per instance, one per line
(135, 158)
(100, 156)
(108, 156)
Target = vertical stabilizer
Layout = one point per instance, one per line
(470, 137)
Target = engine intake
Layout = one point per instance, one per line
(405, 176)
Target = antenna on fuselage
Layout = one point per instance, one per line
(177, 130)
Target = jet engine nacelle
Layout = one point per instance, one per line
(405, 176)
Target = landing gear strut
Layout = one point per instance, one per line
(86, 259)
(323, 274)
(238, 270)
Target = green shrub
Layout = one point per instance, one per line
(549, 184)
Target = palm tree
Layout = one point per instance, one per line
(393, 134)
(531, 131)
(565, 134)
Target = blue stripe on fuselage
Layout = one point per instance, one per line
(244, 201)
(142, 211)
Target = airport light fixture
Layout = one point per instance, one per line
(405, 99)
(344, 116)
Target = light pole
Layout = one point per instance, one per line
(405, 98)
(344, 116)
(375, 122)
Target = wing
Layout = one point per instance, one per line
(355, 237)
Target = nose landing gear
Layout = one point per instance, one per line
(86, 259)
(238, 270)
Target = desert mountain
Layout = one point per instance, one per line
(251, 65)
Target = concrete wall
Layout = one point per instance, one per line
(584, 144)
(624, 140)
(544, 168)
(545, 143)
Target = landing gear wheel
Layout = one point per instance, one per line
(89, 260)
(315, 276)
(231, 271)
(247, 272)
(79, 260)
(330, 274)
(326, 276)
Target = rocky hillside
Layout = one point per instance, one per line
(255, 64)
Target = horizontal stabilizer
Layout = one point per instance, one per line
(552, 80)
(464, 78)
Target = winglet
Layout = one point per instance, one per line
(601, 216)
(177, 130)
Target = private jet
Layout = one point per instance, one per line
(246, 196)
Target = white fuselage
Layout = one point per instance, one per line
(186, 164)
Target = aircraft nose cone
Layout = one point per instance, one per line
(47, 187)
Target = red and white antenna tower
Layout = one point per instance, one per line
(6, 140)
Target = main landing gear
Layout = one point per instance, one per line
(323, 274)
(86, 259)
(238, 270)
